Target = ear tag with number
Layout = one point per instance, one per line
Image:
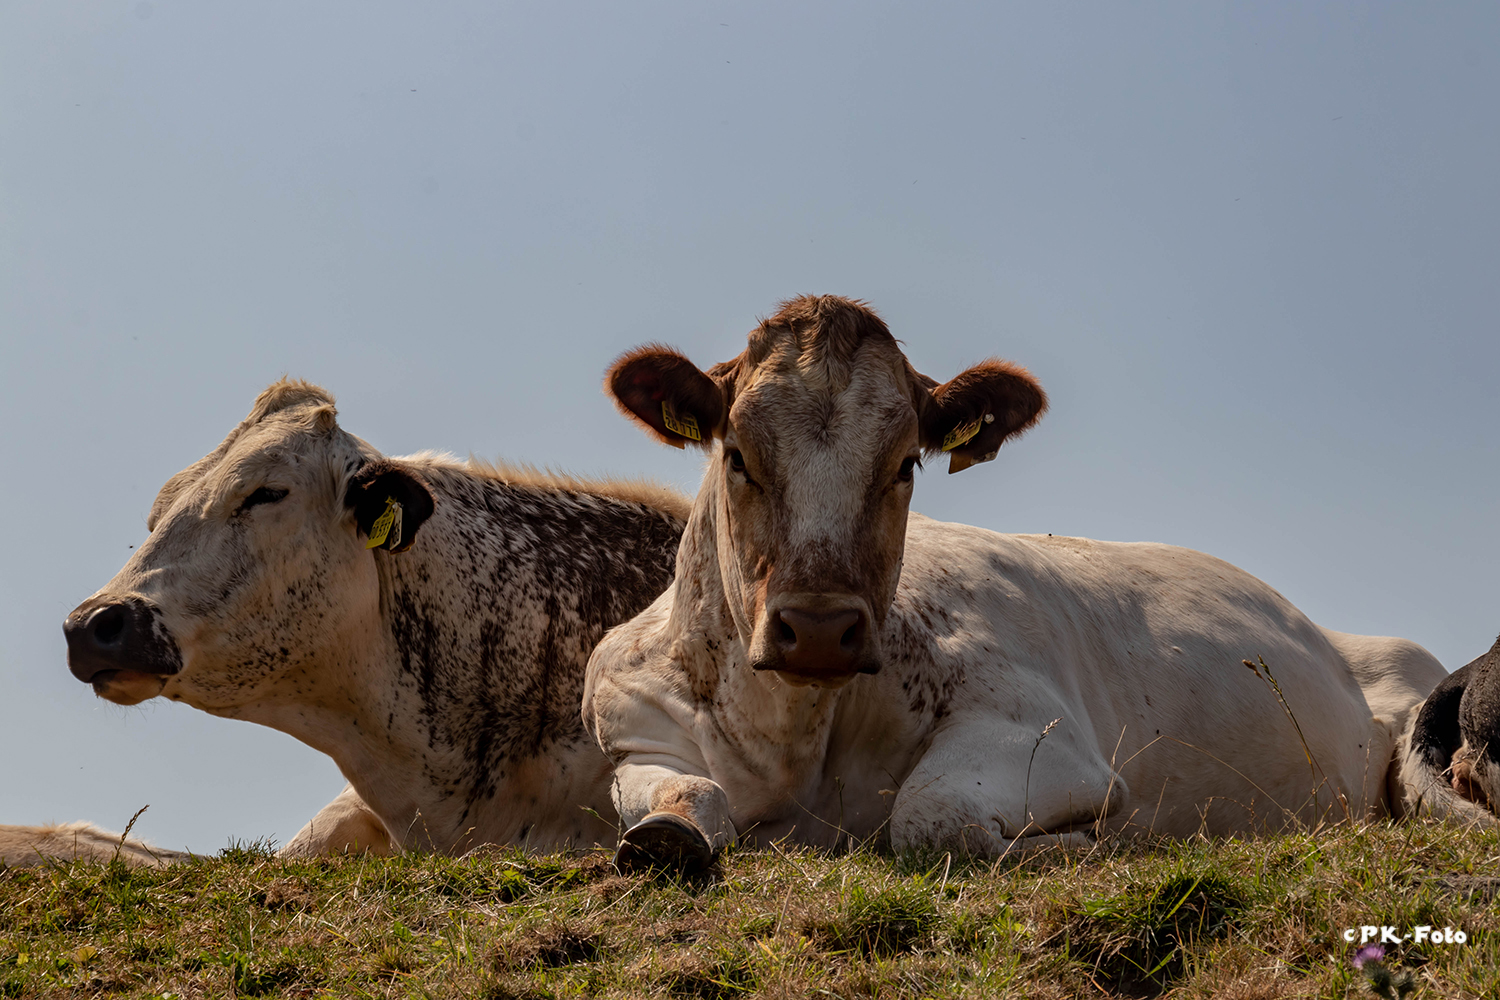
(685, 425)
(964, 433)
(386, 526)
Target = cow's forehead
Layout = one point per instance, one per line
(823, 354)
(287, 447)
(804, 389)
(281, 437)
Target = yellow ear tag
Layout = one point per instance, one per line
(686, 425)
(386, 526)
(965, 432)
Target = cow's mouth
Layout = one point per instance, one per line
(127, 687)
(821, 678)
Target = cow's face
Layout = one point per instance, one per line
(256, 569)
(815, 432)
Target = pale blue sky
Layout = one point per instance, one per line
(1250, 250)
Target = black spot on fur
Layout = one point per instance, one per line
(1436, 735)
(497, 655)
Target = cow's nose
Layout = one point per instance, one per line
(116, 635)
(106, 626)
(814, 642)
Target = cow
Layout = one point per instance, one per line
(26, 846)
(830, 668)
(1450, 762)
(424, 622)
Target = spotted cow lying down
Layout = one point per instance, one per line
(826, 667)
(1450, 763)
(425, 622)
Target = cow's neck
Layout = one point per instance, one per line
(459, 717)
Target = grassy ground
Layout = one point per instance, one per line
(1237, 919)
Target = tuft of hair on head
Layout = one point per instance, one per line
(826, 329)
(285, 393)
(824, 309)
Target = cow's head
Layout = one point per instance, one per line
(815, 432)
(257, 565)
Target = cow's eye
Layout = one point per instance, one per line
(263, 495)
(908, 465)
(736, 462)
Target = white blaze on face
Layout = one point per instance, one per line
(825, 454)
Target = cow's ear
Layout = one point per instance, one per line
(970, 415)
(668, 395)
(390, 502)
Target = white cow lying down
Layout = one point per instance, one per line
(825, 666)
(424, 622)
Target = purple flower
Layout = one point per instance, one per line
(1369, 953)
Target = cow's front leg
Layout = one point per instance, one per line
(672, 819)
(970, 791)
(344, 826)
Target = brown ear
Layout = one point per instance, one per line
(972, 413)
(380, 481)
(667, 393)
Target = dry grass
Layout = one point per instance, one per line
(1247, 919)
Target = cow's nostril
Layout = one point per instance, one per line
(851, 638)
(788, 634)
(108, 624)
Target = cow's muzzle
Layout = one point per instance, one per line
(111, 640)
(817, 639)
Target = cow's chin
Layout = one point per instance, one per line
(830, 680)
(128, 687)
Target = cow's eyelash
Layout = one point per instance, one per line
(265, 494)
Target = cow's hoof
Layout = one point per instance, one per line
(664, 841)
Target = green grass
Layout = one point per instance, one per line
(1233, 919)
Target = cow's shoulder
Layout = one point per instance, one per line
(639, 680)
